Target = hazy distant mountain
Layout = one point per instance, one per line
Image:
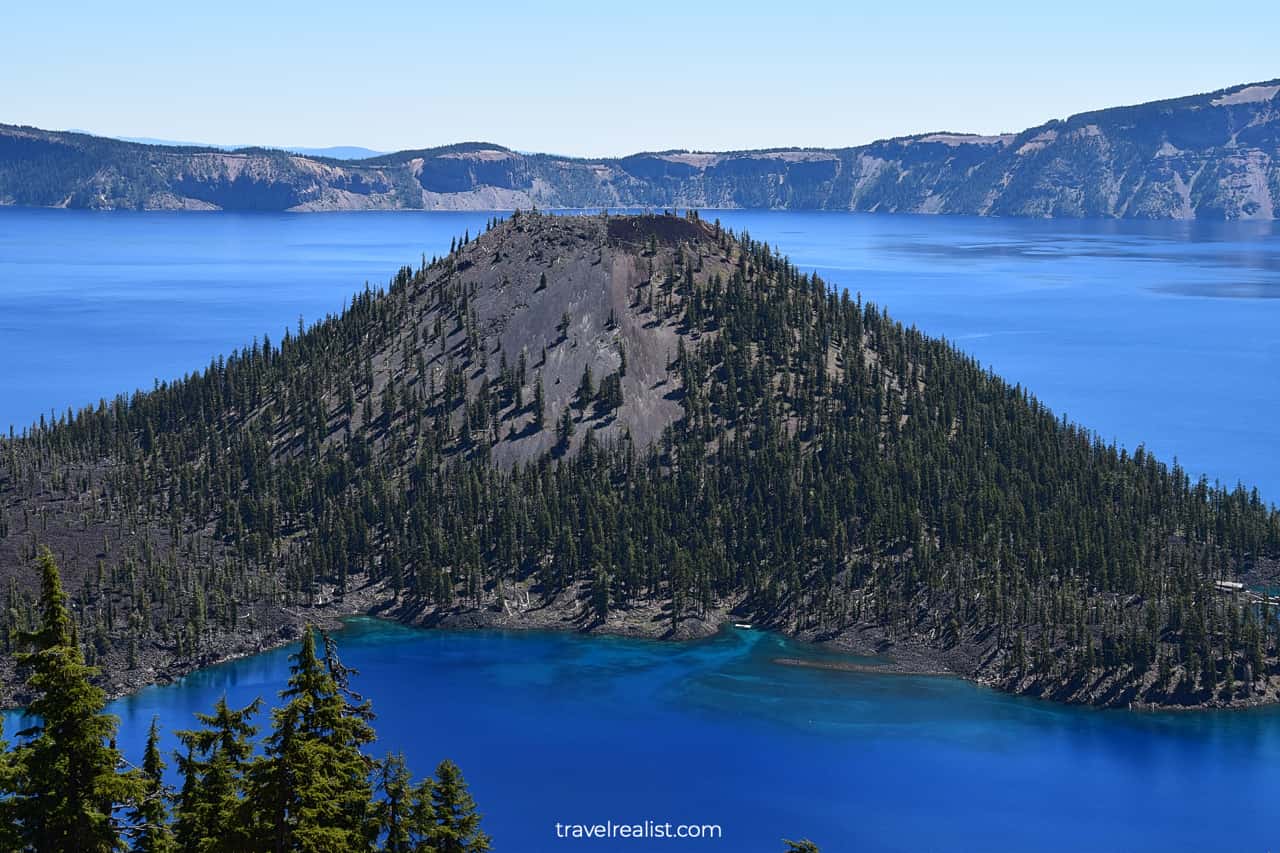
(333, 152)
(337, 152)
(1213, 156)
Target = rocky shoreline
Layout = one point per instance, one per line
(158, 664)
(894, 655)
(522, 610)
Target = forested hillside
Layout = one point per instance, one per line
(1210, 156)
(645, 425)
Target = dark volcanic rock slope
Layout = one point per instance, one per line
(1213, 156)
(578, 300)
(641, 425)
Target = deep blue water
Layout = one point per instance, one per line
(550, 727)
(1165, 333)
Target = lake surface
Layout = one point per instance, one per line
(1165, 333)
(553, 727)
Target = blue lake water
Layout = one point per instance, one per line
(559, 728)
(1163, 333)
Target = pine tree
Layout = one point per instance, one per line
(539, 404)
(609, 397)
(395, 789)
(212, 812)
(69, 786)
(313, 785)
(565, 429)
(8, 785)
(803, 846)
(403, 811)
(586, 389)
(600, 597)
(457, 823)
(149, 818)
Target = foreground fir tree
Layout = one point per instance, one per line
(406, 819)
(802, 846)
(213, 815)
(457, 823)
(8, 784)
(393, 812)
(63, 787)
(313, 788)
(150, 830)
(68, 780)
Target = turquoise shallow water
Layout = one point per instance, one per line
(551, 727)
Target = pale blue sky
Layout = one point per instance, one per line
(606, 78)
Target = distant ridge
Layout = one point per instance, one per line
(335, 152)
(1208, 156)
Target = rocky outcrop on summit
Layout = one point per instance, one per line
(1212, 156)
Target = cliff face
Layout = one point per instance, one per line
(1213, 156)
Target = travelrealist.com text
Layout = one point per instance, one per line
(645, 829)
